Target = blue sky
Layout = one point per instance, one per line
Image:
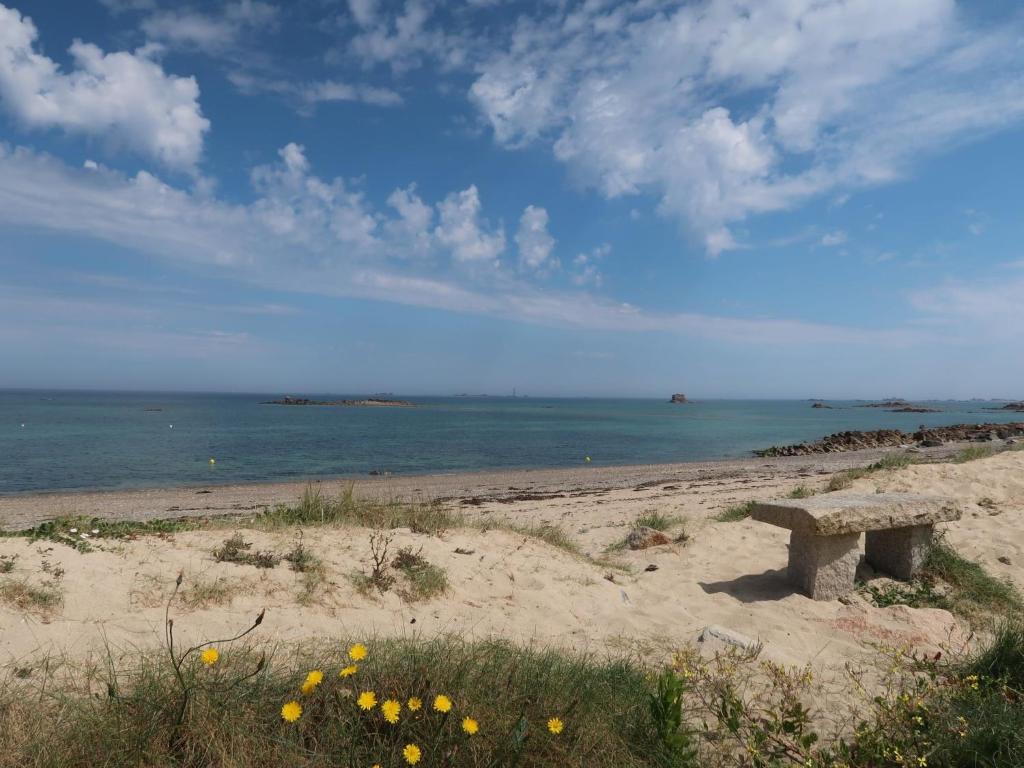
(780, 198)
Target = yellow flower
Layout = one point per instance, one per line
(291, 711)
(209, 656)
(922, 762)
(555, 725)
(367, 700)
(442, 703)
(357, 652)
(348, 671)
(412, 754)
(470, 726)
(390, 709)
(415, 704)
(313, 679)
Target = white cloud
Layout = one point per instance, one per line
(307, 235)
(585, 270)
(306, 96)
(831, 239)
(125, 98)
(534, 241)
(728, 108)
(209, 32)
(464, 233)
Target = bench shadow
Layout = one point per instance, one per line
(753, 587)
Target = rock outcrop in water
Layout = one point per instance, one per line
(369, 402)
(892, 438)
(678, 398)
(1019, 407)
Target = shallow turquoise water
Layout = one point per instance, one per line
(78, 440)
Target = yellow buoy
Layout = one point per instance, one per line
(587, 459)
(213, 461)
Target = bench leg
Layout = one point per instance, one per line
(823, 567)
(899, 552)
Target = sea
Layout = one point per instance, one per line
(64, 440)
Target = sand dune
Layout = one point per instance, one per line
(516, 586)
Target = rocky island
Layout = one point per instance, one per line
(369, 402)
(678, 398)
(1018, 406)
(899, 405)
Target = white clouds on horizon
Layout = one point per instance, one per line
(124, 98)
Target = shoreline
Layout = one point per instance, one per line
(27, 509)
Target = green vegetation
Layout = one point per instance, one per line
(800, 492)
(973, 452)
(844, 479)
(657, 521)
(207, 594)
(425, 580)
(237, 550)
(40, 598)
(346, 509)
(950, 581)
(553, 535)
(735, 513)
(232, 704)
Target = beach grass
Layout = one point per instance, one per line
(25, 596)
(657, 521)
(891, 461)
(801, 492)
(950, 581)
(736, 513)
(234, 713)
(492, 703)
(973, 453)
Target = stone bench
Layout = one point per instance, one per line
(824, 546)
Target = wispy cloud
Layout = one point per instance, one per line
(306, 235)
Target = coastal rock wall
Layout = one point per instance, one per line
(892, 438)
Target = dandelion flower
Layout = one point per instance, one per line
(415, 704)
(357, 652)
(348, 671)
(313, 679)
(367, 700)
(555, 725)
(470, 726)
(442, 703)
(210, 656)
(291, 711)
(412, 754)
(390, 709)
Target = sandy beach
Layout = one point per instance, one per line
(29, 509)
(502, 583)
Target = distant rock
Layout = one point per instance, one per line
(370, 402)
(678, 398)
(914, 409)
(1019, 406)
(820, 405)
(926, 437)
(896, 403)
(643, 537)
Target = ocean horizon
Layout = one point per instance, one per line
(62, 440)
